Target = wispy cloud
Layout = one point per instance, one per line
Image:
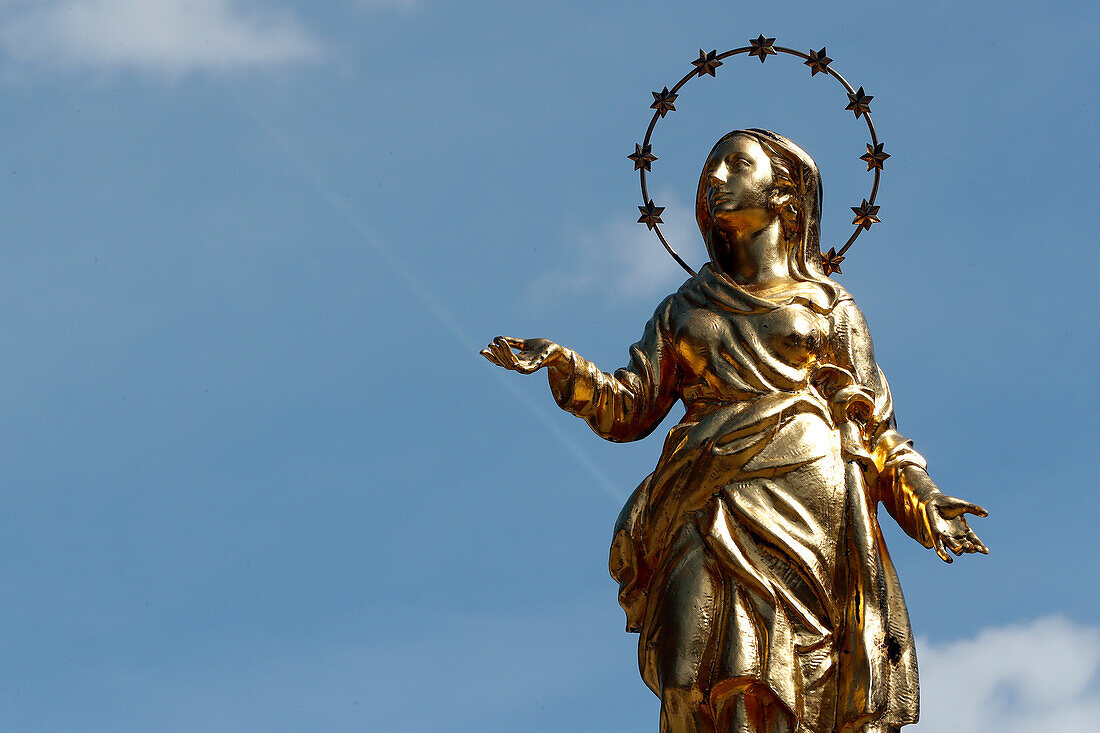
(624, 258)
(1033, 678)
(169, 37)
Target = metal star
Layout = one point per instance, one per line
(707, 62)
(830, 262)
(874, 157)
(859, 103)
(866, 215)
(819, 64)
(651, 215)
(663, 101)
(762, 47)
(642, 156)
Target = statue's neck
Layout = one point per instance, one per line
(751, 258)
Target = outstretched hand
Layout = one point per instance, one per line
(523, 355)
(949, 528)
(944, 516)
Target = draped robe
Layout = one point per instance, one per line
(750, 560)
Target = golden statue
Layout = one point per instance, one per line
(751, 560)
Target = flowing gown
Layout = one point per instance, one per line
(751, 561)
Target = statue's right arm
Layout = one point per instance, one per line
(903, 485)
(624, 406)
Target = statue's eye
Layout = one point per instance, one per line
(738, 164)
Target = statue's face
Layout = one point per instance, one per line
(739, 185)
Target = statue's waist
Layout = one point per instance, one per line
(744, 410)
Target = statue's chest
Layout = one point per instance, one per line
(793, 334)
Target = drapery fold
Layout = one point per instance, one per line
(755, 541)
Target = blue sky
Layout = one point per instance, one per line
(255, 476)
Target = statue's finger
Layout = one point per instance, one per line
(953, 508)
(953, 544)
(505, 355)
(958, 507)
(949, 507)
(976, 543)
(511, 357)
(975, 509)
(490, 356)
(515, 343)
(937, 542)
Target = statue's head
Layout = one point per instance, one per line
(753, 177)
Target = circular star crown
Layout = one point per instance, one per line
(859, 103)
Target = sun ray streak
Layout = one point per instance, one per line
(441, 313)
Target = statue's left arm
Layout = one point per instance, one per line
(899, 474)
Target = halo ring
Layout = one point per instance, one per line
(761, 47)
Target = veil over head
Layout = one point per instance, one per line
(804, 253)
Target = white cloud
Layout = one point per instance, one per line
(625, 259)
(161, 36)
(1034, 678)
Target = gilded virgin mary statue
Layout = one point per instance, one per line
(751, 561)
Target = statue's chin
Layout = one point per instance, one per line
(731, 227)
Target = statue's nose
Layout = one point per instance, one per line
(718, 175)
